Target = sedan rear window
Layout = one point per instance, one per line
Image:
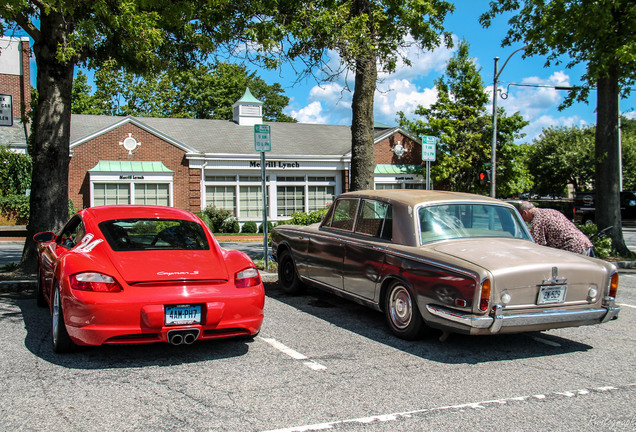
(441, 222)
(154, 234)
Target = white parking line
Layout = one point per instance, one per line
(473, 405)
(293, 354)
(627, 305)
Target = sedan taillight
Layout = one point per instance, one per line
(613, 285)
(247, 278)
(97, 282)
(484, 300)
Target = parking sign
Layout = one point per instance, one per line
(428, 148)
(262, 138)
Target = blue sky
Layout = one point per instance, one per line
(413, 86)
(409, 87)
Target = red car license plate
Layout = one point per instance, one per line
(183, 314)
(550, 294)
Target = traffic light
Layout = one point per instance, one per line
(484, 176)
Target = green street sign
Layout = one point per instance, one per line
(262, 138)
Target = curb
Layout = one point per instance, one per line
(17, 285)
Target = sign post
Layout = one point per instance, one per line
(428, 154)
(262, 144)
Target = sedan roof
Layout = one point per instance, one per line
(416, 196)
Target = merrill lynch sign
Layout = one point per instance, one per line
(6, 110)
(275, 164)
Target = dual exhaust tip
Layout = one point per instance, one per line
(187, 337)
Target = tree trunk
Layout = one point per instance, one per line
(362, 155)
(608, 157)
(51, 135)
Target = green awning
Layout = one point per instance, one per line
(131, 166)
(398, 169)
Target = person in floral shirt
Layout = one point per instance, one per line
(552, 228)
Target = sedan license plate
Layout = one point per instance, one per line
(183, 314)
(550, 294)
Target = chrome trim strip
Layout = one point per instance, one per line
(495, 324)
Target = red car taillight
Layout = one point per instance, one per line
(97, 282)
(613, 285)
(484, 300)
(247, 278)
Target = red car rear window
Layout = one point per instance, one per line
(154, 234)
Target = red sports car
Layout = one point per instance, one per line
(140, 274)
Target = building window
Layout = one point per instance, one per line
(251, 201)
(381, 186)
(111, 193)
(291, 199)
(221, 197)
(320, 197)
(152, 194)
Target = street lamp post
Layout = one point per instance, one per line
(493, 151)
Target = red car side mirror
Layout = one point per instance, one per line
(45, 237)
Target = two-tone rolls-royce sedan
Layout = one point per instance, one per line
(460, 263)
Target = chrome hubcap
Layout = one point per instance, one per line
(401, 307)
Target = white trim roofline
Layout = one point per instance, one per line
(392, 131)
(136, 122)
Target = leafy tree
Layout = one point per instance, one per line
(148, 35)
(367, 35)
(599, 34)
(561, 156)
(628, 138)
(201, 92)
(459, 119)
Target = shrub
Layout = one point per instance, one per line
(15, 207)
(269, 227)
(15, 172)
(602, 244)
(220, 220)
(306, 218)
(249, 227)
(230, 225)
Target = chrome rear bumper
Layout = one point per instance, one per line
(498, 320)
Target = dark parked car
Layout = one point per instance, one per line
(585, 208)
(456, 262)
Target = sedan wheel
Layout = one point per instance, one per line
(287, 277)
(402, 314)
(62, 342)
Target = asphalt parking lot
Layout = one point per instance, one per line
(323, 363)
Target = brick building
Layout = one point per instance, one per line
(15, 92)
(194, 163)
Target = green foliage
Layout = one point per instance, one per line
(15, 207)
(220, 220)
(270, 227)
(562, 156)
(15, 172)
(460, 121)
(628, 136)
(201, 92)
(301, 218)
(249, 227)
(602, 244)
(597, 34)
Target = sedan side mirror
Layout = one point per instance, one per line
(44, 237)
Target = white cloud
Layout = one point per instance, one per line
(312, 113)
